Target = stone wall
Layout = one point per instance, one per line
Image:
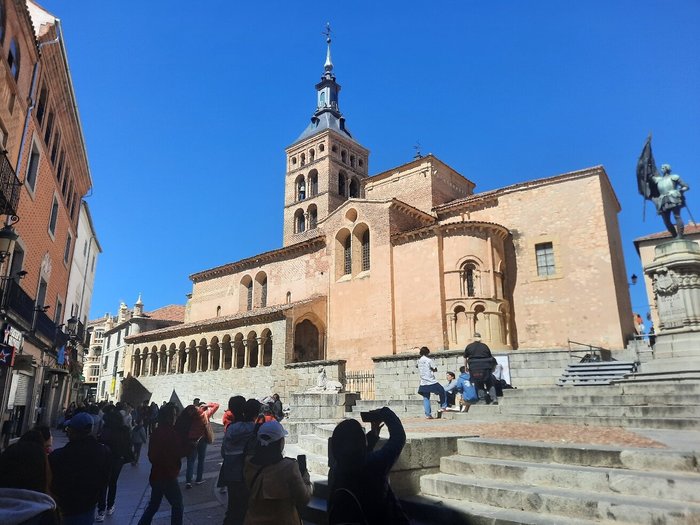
(396, 376)
(219, 385)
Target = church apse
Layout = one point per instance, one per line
(476, 299)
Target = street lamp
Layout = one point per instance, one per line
(8, 236)
(633, 279)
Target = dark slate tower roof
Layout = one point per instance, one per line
(327, 115)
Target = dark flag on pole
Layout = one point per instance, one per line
(646, 169)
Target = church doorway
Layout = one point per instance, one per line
(306, 342)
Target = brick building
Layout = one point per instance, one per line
(378, 265)
(42, 134)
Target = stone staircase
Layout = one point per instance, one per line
(596, 373)
(507, 482)
(664, 405)
(479, 481)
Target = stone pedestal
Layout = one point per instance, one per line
(322, 405)
(675, 274)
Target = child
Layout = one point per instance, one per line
(138, 438)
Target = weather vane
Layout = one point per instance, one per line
(327, 32)
(417, 148)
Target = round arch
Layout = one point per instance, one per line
(253, 348)
(266, 341)
(307, 341)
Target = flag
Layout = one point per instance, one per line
(61, 355)
(7, 354)
(646, 169)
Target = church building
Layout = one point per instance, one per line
(380, 264)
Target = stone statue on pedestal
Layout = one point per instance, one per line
(666, 191)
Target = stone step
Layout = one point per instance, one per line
(678, 378)
(678, 423)
(655, 389)
(647, 459)
(554, 501)
(471, 513)
(678, 486)
(314, 444)
(583, 399)
(590, 410)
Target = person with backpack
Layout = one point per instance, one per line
(138, 438)
(358, 479)
(278, 486)
(238, 443)
(117, 437)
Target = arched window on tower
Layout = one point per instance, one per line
(343, 156)
(303, 159)
(354, 188)
(313, 183)
(299, 222)
(312, 155)
(352, 161)
(313, 216)
(341, 183)
(300, 188)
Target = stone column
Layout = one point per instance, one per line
(246, 361)
(168, 361)
(210, 358)
(144, 359)
(187, 361)
(199, 357)
(452, 323)
(260, 351)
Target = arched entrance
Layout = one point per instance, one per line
(306, 342)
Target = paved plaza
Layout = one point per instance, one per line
(204, 504)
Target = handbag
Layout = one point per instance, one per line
(208, 433)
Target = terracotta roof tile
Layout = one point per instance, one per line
(172, 312)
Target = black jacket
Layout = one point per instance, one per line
(80, 470)
(369, 482)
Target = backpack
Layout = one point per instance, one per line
(345, 509)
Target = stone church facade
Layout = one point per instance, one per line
(378, 265)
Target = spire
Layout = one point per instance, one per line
(328, 66)
(327, 114)
(139, 301)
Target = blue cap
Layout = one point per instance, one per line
(80, 421)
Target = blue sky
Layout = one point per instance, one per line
(187, 108)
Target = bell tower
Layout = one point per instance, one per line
(325, 165)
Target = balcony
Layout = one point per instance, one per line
(9, 187)
(18, 302)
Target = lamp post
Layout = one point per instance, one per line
(8, 236)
